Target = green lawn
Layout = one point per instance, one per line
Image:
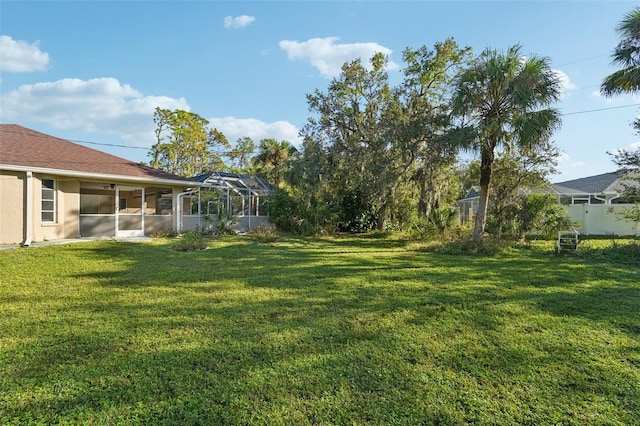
(318, 331)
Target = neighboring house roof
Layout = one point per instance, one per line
(473, 193)
(22, 148)
(608, 184)
(598, 184)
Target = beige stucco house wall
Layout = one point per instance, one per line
(52, 189)
(89, 193)
(67, 200)
(12, 202)
(21, 207)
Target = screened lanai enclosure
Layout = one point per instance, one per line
(241, 200)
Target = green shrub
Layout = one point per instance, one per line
(461, 243)
(226, 222)
(301, 215)
(162, 233)
(631, 213)
(444, 218)
(207, 224)
(542, 215)
(618, 250)
(282, 210)
(264, 233)
(190, 241)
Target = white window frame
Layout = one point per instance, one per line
(53, 199)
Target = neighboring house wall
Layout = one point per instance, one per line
(468, 208)
(12, 214)
(592, 201)
(602, 219)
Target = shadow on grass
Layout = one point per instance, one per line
(314, 331)
(377, 275)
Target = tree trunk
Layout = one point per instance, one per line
(155, 163)
(382, 221)
(382, 216)
(483, 202)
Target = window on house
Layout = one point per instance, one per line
(48, 207)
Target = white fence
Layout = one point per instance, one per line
(603, 219)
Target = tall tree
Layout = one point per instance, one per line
(505, 99)
(627, 80)
(350, 126)
(241, 155)
(627, 56)
(386, 145)
(422, 124)
(273, 160)
(184, 144)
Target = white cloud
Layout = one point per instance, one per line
(96, 105)
(328, 56)
(565, 82)
(234, 128)
(632, 146)
(105, 105)
(20, 56)
(568, 168)
(566, 162)
(235, 22)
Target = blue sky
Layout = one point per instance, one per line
(95, 71)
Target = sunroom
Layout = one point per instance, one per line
(239, 198)
(108, 209)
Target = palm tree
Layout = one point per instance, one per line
(504, 99)
(627, 55)
(273, 159)
(627, 79)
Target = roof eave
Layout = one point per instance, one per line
(102, 176)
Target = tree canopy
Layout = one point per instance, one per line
(273, 160)
(241, 155)
(384, 149)
(185, 145)
(377, 155)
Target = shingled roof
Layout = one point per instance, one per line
(25, 148)
(598, 184)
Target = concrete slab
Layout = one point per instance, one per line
(76, 240)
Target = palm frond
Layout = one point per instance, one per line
(622, 81)
(536, 127)
(627, 56)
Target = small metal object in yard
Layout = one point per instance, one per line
(568, 241)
